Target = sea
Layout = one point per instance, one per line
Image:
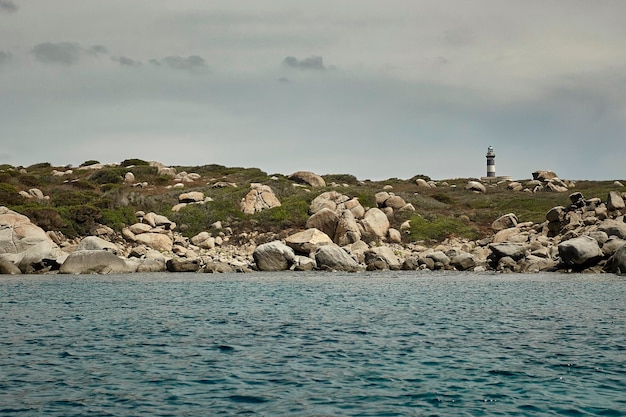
(313, 344)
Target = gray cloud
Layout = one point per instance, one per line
(7, 6)
(311, 63)
(193, 63)
(65, 53)
(126, 62)
(5, 57)
(97, 49)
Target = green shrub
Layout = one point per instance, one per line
(439, 228)
(89, 163)
(134, 161)
(118, 218)
(108, 176)
(40, 165)
(79, 220)
(30, 180)
(9, 196)
(46, 218)
(340, 179)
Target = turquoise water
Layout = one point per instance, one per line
(319, 344)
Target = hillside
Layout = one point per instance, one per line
(75, 200)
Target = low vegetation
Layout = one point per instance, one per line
(87, 197)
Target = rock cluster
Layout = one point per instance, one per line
(341, 234)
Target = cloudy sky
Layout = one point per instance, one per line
(377, 89)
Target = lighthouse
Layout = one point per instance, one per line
(491, 162)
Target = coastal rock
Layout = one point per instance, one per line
(308, 240)
(544, 175)
(8, 268)
(18, 233)
(420, 182)
(382, 258)
(94, 262)
(617, 262)
(183, 265)
(613, 228)
(329, 200)
(96, 243)
(157, 241)
(309, 178)
(347, 230)
(334, 258)
(511, 250)
(375, 224)
(504, 222)
(615, 201)
(580, 251)
(325, 220)
(273, 256)
(259, 198)
(476, 187)
(191, 197)
(463, 262)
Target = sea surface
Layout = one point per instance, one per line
(313, 344)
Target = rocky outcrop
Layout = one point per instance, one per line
(259, 198)
(94, 262)
(307, 241)
(334, 258)
(308, 178)
(476, 187)
(273, 256)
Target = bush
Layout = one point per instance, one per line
(39, 166)
(46, 218)
(89, 163)
(439, 228)
(340, 179)
(134, 161)
(118, 218)
(108, 176)
(9, 195)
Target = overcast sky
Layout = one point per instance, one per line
(377, 89)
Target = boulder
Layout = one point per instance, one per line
(273, 256)
(304, 263)
(580, 251)
(395, 202)
(556, 214)
(325, 220)
(504, 222)
(139, 228)
(183, 265)
(157, 241)
(422, 183)
(259, 198)
(613, 228)
(8, 268)
(382, 257)
(334, 258)
(151, 265)
(329, 200)
(375, 224)
(512, 250)
(191, 197)
(476, 187)
(615, 201)
(394, 236)
(463, 261)
(18, 233)
(96, 243)
(543, 175)
(308, 240)
(129, 178)
(309, 178)
(347, 230)
(94, 262)
(617, 263)
(43, 257)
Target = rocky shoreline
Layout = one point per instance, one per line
(589, 235)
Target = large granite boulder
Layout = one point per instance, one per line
(97, 243)
(544, 175)
(382, 258)
(8, 268)
(476, 187)
(615, 201)
(94, 262)
(183, 265)
(617, 262)
(509, 250)
(613, 228)
(156, 241)
(504, 222)
(309, 178)
(191, 197)
(334, 258)
(347, 230)
(18, 233)
(329, 200)
(580, 251)
(308, 240)
(463, 262)
(259, 198)
(325, 220)
(273, 256)
(375, 224)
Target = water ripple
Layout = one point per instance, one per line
(313, 345)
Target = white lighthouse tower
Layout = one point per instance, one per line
(491, 162)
